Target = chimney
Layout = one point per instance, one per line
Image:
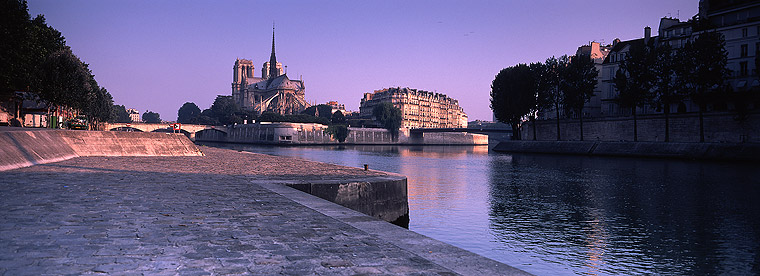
(647, 34)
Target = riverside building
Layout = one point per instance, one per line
(419, 108)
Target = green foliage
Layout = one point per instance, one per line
(579, 82)
(389, 118)
(338, 118)
(323, 110)
(338, 132)
(151, 117)
(188, 113)
(225, 110)
(119, 115)
(66, 80)
(702, 66)
(513, 95)
(636, 79)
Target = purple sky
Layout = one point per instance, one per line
(157, 55)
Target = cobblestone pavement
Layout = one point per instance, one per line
(182, 215)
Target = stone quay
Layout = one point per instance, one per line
(219, 212)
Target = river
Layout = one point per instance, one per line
(573, 215)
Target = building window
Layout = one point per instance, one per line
(743, 68)
(744, 32)
(744, 50)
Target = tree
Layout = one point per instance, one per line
(224, 110)
(665, 82)
(151, 117)
(338, 132)
(389, 118)
(579, 84)
(188, 113)
(338, 118)
(27, 43)
(702, 69)
(543, 100)
(548, 86)
(635, 81)
(320, 110)
(119, 114)
(513, 95)
(65, 80)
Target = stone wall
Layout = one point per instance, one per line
(718, 127)
(21, 147)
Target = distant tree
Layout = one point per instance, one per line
(119, 115)
(269, 116)
(578, 85)
(635, 81)
(100, 105)
(188, 113)
(320, 110)
(338, 118)
(224, 110)
(338, 132)
(702, 69)
(151, 117)
(389, 118)
(513, 96)
(207, 118)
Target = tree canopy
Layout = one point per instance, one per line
(188, 113)
(389, 117)
(151, 117)
(119, 114)
(320, 110)
(513, 95)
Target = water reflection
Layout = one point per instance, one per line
(641, 216)
(568, 215)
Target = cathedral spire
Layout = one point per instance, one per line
(272, 59)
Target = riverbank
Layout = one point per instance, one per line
(227, 212)
(696, 151)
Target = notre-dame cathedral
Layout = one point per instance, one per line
(273, 91)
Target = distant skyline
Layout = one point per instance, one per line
(157, 55)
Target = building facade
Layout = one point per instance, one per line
(273, 91)
(134, 115)
(419, 108)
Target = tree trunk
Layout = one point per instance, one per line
(667, 122)
(533, 121)
(635, 126)
(556, 108)
(701, 123)
(515, 131)
(581, 123)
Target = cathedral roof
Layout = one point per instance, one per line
(281, 82)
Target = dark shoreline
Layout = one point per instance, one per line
(744, 152)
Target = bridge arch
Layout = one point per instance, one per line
(211, 134)
(126, 128)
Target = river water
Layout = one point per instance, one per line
(573, 215)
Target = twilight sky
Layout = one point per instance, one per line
(157, 55)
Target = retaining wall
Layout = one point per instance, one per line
(718, 127)
(700, 151)
(21, 147)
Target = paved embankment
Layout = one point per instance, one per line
(21, 147)
(223, 213)
(700, 151)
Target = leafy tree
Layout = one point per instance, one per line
(579, 84)
(224, 110)
(269, 116)
(338, 118)
(188, 113)
(665, 83)
(513, 95)
(389, 118)
(635, 81)
(320, 110)
(543, 98)
(27, 43)
(548, 86)
(338, 132)
(119, 114)
(65, 80)
(702, 69)
(207, 118)
(100, 106)
(151, 117)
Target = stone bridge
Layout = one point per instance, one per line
(187, 129)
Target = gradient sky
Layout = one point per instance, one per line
(157, 55)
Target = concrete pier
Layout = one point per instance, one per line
(226, 212)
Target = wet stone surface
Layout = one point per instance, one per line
(182, 215)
